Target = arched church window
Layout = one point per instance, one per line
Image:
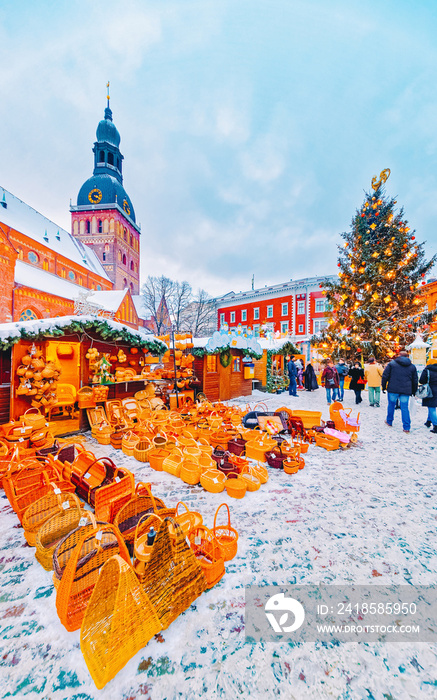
(88, 226)
(125, 282)
(102, 157)
(111, 158)
(131, 288)
(100, 226)
(124, 258)
(27, 315)
(103, 256)
(106, 247)
(125, 234)
(45, 265)
(119, 256)
(132, 265)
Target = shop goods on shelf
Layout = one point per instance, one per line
(119, 621)
(100, 393)
(115, 414)
(226, 535)
(80, 575)
(173, 577)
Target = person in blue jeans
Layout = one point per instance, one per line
(292, 374)
(342, 371)
(330, 381)
(400, 380)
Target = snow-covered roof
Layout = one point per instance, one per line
(108, 300)
(418, 343)
(23, 218)
(52, 327)
(35, 277)
(141, 310)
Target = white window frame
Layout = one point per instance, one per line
(320, 303)
(300, 307)
(256, 330)
(256, 313)
(222, 320)
(270, 311)
(284, 327)
(243, 315)
(284, 309)
(232, 317)
(300, 328)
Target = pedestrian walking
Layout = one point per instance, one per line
(429, 376)
(292, 374)
(330, 381)
(342, 370)
(357, 380)
(400, 380)
(310, 379)
(373, 375)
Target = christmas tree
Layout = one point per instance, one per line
(376, 306)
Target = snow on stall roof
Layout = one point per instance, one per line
(8, 331)
(23, 218)
(35, 277)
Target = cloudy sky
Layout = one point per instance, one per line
(250, 128)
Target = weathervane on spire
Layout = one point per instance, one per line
(107, 90)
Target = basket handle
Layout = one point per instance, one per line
(177, 507)
(216, 513)
(146, 516)
(108, 464)
(31, 409)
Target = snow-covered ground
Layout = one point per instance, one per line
(366, 515)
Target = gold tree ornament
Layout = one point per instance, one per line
(383, 177)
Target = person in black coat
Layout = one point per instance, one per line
(400, 380)
(429, 375)
(310, 379)
(357, 373)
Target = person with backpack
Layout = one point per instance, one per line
(330, 381)
(429, 376)
(342, 370)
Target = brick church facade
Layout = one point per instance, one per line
(45, 270)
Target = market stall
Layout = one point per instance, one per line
(224, 364)
(53, 359)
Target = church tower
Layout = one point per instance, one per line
(104, 218)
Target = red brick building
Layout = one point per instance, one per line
(296, 309)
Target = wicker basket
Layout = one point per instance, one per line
(172, 464)
(142, 550)
(116, 439)
(173, 577)
(34, 418)
(226, 536)
(42, 510)
(119, 621)
(156, 458)
(208, 553)
(130, 439)
(142, 449)
(261, 472)
(141, 503)
(193, 453)
(327, 441)
(237, 445)
(111, 497)
(291, 466)
(82, 572)
(187, 520)
(53, 530)
(253, 482)
(236, 487)
(213, 480)
(85, 397)
(65, 547)
(190, 472)
(100, 393)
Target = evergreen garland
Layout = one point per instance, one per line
(100, 327)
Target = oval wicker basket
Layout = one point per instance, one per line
(252, 481)
(236, 487)
(213, 481)
(142, 449)
(190, 472)
(156, 457)
(291, 466)
(172, 464)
